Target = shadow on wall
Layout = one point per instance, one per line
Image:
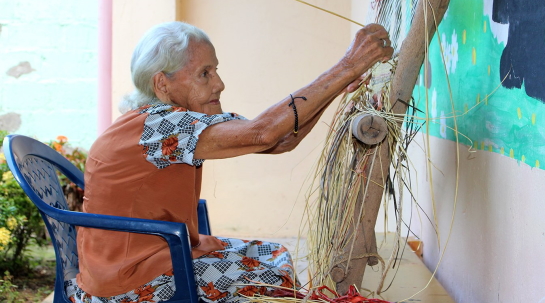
(20, 69)
(10, 122)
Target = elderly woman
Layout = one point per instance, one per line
(148, 164)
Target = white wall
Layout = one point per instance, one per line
(498, 234)
(130, 20)
(48, 64)
(266, 50)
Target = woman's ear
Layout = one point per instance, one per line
(160, 87)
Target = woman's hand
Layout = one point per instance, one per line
(371, 45)
(365, 78)
(206, 244)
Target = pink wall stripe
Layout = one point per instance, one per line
(104, 112)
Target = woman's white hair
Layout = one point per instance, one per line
(164, 48)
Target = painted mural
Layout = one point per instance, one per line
(491, 56)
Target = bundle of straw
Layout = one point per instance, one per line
(342, 177)
(343, 173)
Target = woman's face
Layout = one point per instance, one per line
(197, 86)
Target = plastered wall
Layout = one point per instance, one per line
(488, 188)
(130, 20)
(48, 69)
(494, 228)
(266, 50)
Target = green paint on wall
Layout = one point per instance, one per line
(488, 116)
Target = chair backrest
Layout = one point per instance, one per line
(35, 166)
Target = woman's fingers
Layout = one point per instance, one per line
(387, 49)
(365, 78)
(371, 44)
(383, 39)
(353, 86)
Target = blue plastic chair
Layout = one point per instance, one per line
(35, 165)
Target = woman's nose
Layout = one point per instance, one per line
(219, 86)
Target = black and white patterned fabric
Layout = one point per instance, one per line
(243, 269)
(171, 133)
(236, 272)
(160, 289)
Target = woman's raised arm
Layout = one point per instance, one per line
(276, 124)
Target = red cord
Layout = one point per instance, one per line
(352, 296)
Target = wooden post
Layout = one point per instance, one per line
(411, 57)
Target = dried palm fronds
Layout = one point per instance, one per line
(396, 17)
(343, 176)
(345, 168)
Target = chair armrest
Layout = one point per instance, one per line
(175, 234)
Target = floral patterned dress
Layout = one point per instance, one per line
(227, 275)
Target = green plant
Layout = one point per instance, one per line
(73, 194)
(43, 292)
(75, 155)
(8, 291)
(20, 222)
